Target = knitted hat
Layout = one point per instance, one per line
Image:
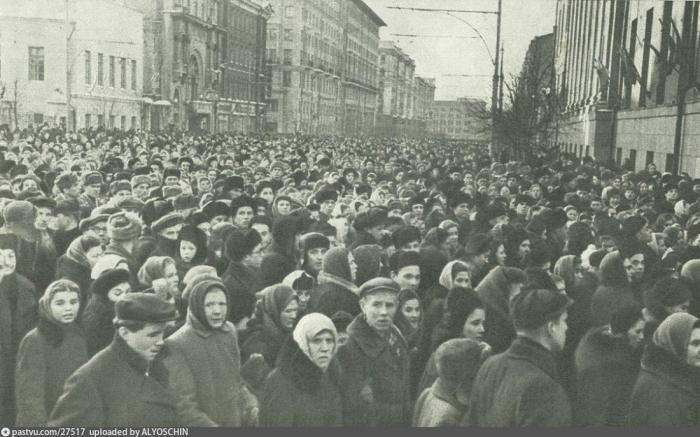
(405, 235)
(632, 225)
(314, 240)
(403, 259)
(167, 221)
(233, 183)
(123, 226)
(534, 308)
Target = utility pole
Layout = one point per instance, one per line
(500, 86)
(69, 35)
(495, 85)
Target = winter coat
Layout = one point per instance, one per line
(298, 394)
(204, 367)
(241, 283)
(336, 291)
(438, 407)
(18, 315)
(117, 388)
(275, 265)
(371, 361)
(613, 292)
(606, 370)
(97, 323)
(518, 388)
(666, 392)
(67, 268)
(63, 239)
(42, 369)
(134, 266)
(494, 290)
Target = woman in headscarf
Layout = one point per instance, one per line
(160, 267)
(97, 318)
(303, 390)
(497, 290)
(666, 392)
(607, 365)
(272, 322)
(191, 249)
(49, 353)
(445, 402)
(303, 285)
(204, 363)
(77, 263)
(409, 318)
(336, 289)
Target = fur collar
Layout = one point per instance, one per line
(665, 366)
(306, 376)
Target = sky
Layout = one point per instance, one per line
(436, 57)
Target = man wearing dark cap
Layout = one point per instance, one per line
(67, 219)
(326, 199)
(369, 226)
(375, 361)
(407, 238)
(405, 270)
(242, 211)
(520, 387)
(124, 230)
(124, 384)
(460, 206)
(233, 187)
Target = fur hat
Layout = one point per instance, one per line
(123, 226)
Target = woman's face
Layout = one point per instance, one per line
(170, 275)
(411, 311)
(463, 280)
(501, 255)
(635, 335)
(353, 266)
(187, 251)
(289, 314)
(694, 348)
(93, 255)
(322, 349)
(118, 291)
(268, 195)
(64, 306)
(474, 325)
(303, 296)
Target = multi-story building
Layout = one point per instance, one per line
(322, 58)
(423, 99)
(204, 64)
(52, 59)
(396, 79)
(626, 110)
(460, 119)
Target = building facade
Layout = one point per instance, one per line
(459, 119)
(322, 58)
(423, 99)
(51, 60)
(204, 64)
(627, 112)
(396, 78)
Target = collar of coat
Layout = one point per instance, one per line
(327, 278)
(306, 376)
(373, 344)
(204, 331)
(442, 390)
(529, 350)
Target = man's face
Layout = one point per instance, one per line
(171, 233)
(93, 190)
(235, 193)
(407, 277)
(634, 266)
(557, 331)
(462, 211)
(243, 216)
(417, 209)
(596, 205)
(379, 310)
(141, 191)
(522, 209)
(644, 234)
(672, 195)
(276, 173)
(146, 342)
(413, 246)
(327, 207)
(204, 185)
(73, 190)
(315, 258)
(44, 216)
(172, 181)
(8, 261)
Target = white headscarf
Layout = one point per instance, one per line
(446, 279)
(310, 326)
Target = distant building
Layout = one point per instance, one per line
(461, 119)
(204, 64)
(396, 78)
(322, 59)
(102, 61)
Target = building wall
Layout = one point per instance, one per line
(459, 120)
(99, 28)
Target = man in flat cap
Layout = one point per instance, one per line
(376, 380)
(521, 386)
(124, 384)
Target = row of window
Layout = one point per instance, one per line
(124, 65)
(112, 122)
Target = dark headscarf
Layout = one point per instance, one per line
(195, 314)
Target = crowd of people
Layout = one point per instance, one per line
(230, 280)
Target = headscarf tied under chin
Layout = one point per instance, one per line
(309, 327)
(673, 334)
(447, 277)
(275, 299)
(48, 326)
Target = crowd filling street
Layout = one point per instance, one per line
(226, 280)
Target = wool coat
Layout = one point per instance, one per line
(18, 316)
(241, 283)
(97, 323)
(373, 363)
(494, 291)
(117, 388)
(42, 370)
(666, 392)
(299, 394)
(606, 370)
(204, 367)
(518, 388)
